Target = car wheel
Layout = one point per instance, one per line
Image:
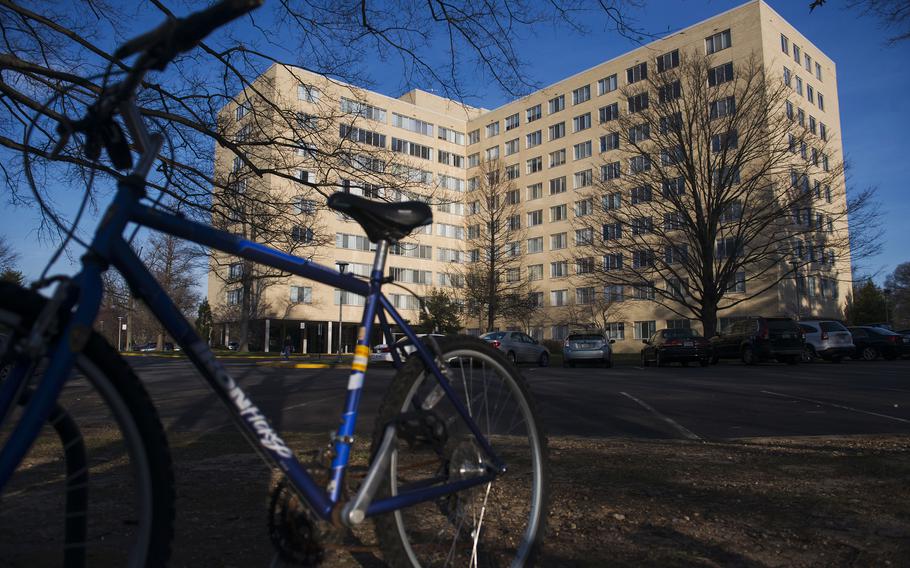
(544, 360)
(644, 361)
(659, 361)
(715, 360)
(870, 354)
(792, 360)
(608, 362)
(890, 356)
(684, 363)
(703, 362)
(808, 354)
(837, 359)
(748, 356)
(512, 357)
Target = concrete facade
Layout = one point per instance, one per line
(755, 31)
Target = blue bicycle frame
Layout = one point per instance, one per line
(84, 293)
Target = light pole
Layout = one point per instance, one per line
(342, 266)
(119, 330)
(795, 264)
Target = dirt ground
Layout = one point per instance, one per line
(617, 502)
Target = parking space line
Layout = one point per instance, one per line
(308, 402)
(686, 433)
(840, 406)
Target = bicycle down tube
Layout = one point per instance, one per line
(109, 246)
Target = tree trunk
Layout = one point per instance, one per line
(243, 343)
(709, 316)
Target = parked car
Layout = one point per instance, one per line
(757, 338)
(669, 345)
(828, 339)
(146, 347)
(383, 352)
(519, 347)
(874, 342)
(587, 347)
(233, 345)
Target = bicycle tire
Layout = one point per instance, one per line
(396, 530)
(144, 445)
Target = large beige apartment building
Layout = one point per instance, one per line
(438, 146)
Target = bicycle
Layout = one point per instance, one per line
(457, 446)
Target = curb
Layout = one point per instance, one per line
(291, 365)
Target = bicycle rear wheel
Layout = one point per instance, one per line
(96, 488)
(501, 523)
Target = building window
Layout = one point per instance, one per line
(613, 262)
(642, 225)
(799, 85)
(557, 131)
(818, 71)
(535, 218)
(474, 136)
(301, 295)
(308, 93)
(674, 186)
(557, 185)
(676, 254)
(558, 213)
(642, 259)
(413, 149)
(640, 163)
(235, 270)
(532, 113)
(644, 291)
(559, 241)
(669, 92)
(679, 324)
(584, 179)
(728, 247)
(641, 194)
(533, 139)
(584, 296)
(492, 153)
(720, 74)
(535, 165)
(452, 136)
(639, 133)
(612, 201)
(821, 101)
(582, 150)
(535, 244)
(822, 131)
(616, 330)
(609, 142)
(717, 42)
(637, 73)
(412, 124)
(235, 297)
(302, 234)
(672, 123)
(560, 332)
(512, 171)
(557, 158)
(612, 231)
(582, 122)
(610, 171)
(512, 122)
(725, 141)
(535, 191)
(787, 79)
(616, 293)
(584, 237)
(810, 93)
(668, 61)
(492, 129)
(559, 269)
(584, 207)
(556, 104)
(606, 85)
(784, 44)
(512, 147)
(535, 272)
(609, 112)
(638, 103)
(581, 94)
(796, 53)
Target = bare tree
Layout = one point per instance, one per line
(714, 190)
(494, 287)
(8, 256)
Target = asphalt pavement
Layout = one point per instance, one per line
(725, 401)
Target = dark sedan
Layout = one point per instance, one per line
(874, 342)
(668, 345)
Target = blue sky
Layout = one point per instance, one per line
(873, 87)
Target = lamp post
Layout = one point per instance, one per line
(119, 330)
(342, 266)
(795, 264)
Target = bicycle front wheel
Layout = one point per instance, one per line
(501, 523)
(96, 488)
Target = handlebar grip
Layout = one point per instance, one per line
(182, 34)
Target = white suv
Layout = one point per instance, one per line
(828, 339)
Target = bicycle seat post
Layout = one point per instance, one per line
(382, 252)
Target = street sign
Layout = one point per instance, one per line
(303, 325)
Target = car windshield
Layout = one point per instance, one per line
(832, 326)
(585, 337)
(494, 335)
(679, 333)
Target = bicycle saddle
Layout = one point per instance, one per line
(381, 220)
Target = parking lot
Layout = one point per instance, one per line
(725, 401)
